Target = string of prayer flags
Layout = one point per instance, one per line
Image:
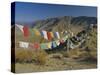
(34, 45)
(26, 31)
(70, 42)
(23, 44)
(47, 35)
(50, 45)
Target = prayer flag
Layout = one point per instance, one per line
(61, 41)
(44, 34)
(36, 45)
(52, 35)
(20, 27)
(26, 31)
(54, 44)
(49, 45)
(49, 35)
(24, 44)
(43, 46)
(57, 35)
(37, 32)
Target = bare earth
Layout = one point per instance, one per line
(54, 64)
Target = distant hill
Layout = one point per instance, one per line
(83, 19)
(75, 24)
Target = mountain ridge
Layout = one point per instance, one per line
(75, 24)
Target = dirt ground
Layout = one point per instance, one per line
(54, 64)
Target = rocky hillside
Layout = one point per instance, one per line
(74, 24)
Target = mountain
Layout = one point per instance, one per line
(83, 19)
(69, 23)
(59, 24)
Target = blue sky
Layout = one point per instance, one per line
(30, 12)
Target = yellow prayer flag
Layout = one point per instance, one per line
(52, 34)
(36, 32)
(49, 45)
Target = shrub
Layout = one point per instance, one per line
(41, 57)
(23, 56)
(29, 56)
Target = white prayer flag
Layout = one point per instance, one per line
(20, 27)
(57, 35)
(45, 34)
(24, 44)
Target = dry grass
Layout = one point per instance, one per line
(24, 56)
(54, 65)
(41, 57)
(30, 56)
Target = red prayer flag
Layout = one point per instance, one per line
(61, 41)
(26, 31)
(36, 45)
(49, 35)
